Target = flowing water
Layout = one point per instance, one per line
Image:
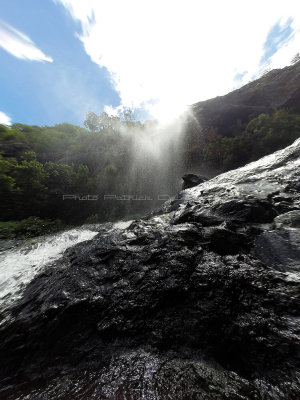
(21, 263)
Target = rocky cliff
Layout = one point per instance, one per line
(210, 121)
(228, 115)
(200, 300)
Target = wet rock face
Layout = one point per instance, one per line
(198, 301)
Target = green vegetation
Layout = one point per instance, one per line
(41, 166)
(263, 135)
(47, 172)
(28, 227)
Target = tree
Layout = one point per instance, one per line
(125, 120)
(91, 121)
(102, 122)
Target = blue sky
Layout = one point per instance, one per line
(279, 34)
(44, 93)
(60, 59)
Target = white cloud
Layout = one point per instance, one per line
(4, 119)
(164, 55)
(20, 45)
(286, 52)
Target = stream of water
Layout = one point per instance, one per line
(21, 263)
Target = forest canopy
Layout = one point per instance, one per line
(41, 166)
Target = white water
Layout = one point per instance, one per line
(19, 265)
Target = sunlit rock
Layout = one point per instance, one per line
(200, 300)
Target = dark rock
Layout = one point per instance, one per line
(191, 180)
(294, 186)
(278, 199)
(253, 210)
(284, 207)
(201, 300)
(290, 219)
(203, 219)
(279, 249)
(224, 241)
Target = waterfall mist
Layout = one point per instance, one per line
(156, 164)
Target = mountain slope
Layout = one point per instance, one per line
(218, 133)
(228, 115)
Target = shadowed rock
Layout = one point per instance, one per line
(199, 301)
(191, 180)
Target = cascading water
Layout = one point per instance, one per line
(20, 264)
(156, 163)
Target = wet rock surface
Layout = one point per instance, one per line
(201, 300)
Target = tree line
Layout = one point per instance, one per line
(41, 166)
(263, 135)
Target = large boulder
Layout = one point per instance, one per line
(201, 300)
(191, 180)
